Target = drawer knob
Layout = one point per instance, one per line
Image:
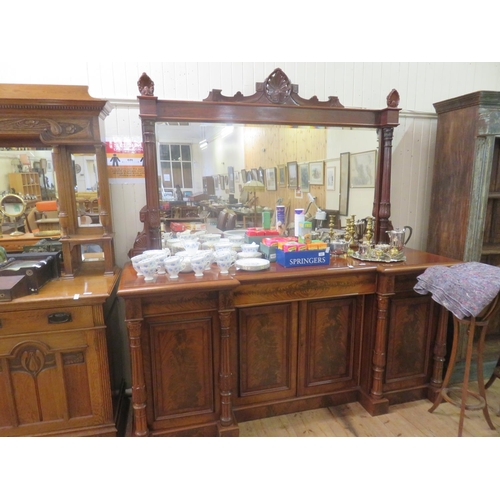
(59, 317)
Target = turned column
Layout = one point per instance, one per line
(226, 311)
(382, 199)
(138, 381)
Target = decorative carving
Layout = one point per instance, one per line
(146, 85)
(50, 127)
(393, 99)
(32, 358)
(73, 358)
(276, 89)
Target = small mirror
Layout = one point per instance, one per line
(13, 208)
(86, 182)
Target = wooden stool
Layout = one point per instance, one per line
(494, 376)
(473, 324)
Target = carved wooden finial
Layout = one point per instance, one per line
(277, 87)
(393, 99)
(146, 85)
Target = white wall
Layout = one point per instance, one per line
(357, 84)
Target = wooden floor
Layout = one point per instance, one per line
(404, 420)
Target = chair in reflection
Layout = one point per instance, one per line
(222, 219)
(43, 217)
(230, 221)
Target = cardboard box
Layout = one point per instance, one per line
(304, 258)
(268, 252)
(255, 235)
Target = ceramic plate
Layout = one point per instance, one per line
(249, 255)
(252, 264)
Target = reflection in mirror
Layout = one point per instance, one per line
(189, 153)
(92, 252)
(86, 184)
(28, 173)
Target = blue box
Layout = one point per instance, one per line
(304, 258)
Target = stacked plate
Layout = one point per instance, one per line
(252, 264)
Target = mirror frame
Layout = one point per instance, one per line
(276, 101)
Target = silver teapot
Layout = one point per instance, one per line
(398, 238)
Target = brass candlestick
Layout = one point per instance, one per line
(369, 230)
(331, 225)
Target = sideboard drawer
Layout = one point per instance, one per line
(42, 320)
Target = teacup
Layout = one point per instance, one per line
(199, 262)
(173, 266)
(148, 267)
(187, 261)
(223, 244)
(210, 237)
(135, 262)
(236, 240)
(191, 245)
(225, 259)
(250, 247)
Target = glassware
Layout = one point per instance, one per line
(338, 248)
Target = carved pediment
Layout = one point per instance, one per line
(276, 89)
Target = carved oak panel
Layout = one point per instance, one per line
(47, 383)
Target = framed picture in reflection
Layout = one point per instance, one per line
(304, 177)
(281, 176)
(271, 179)
(292, 170)
(344, 184)
(316, 173)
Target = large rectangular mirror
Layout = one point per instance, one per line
(187, 152)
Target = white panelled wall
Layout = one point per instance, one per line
(357, 84)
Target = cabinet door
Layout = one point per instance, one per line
(267, 353)
(181, 356)
(55, 383)
(412, 327)
(329, 345)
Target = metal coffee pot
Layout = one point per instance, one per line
(398, 238)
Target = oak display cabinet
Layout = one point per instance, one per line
(54, 359)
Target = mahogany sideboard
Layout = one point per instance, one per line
(54, 359)
(211, 351)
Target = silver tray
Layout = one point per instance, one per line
(374, 259)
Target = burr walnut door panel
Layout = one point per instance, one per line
(266, 353)
(181, 366)
(55, 383)
(329, 345)
(412, 326)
